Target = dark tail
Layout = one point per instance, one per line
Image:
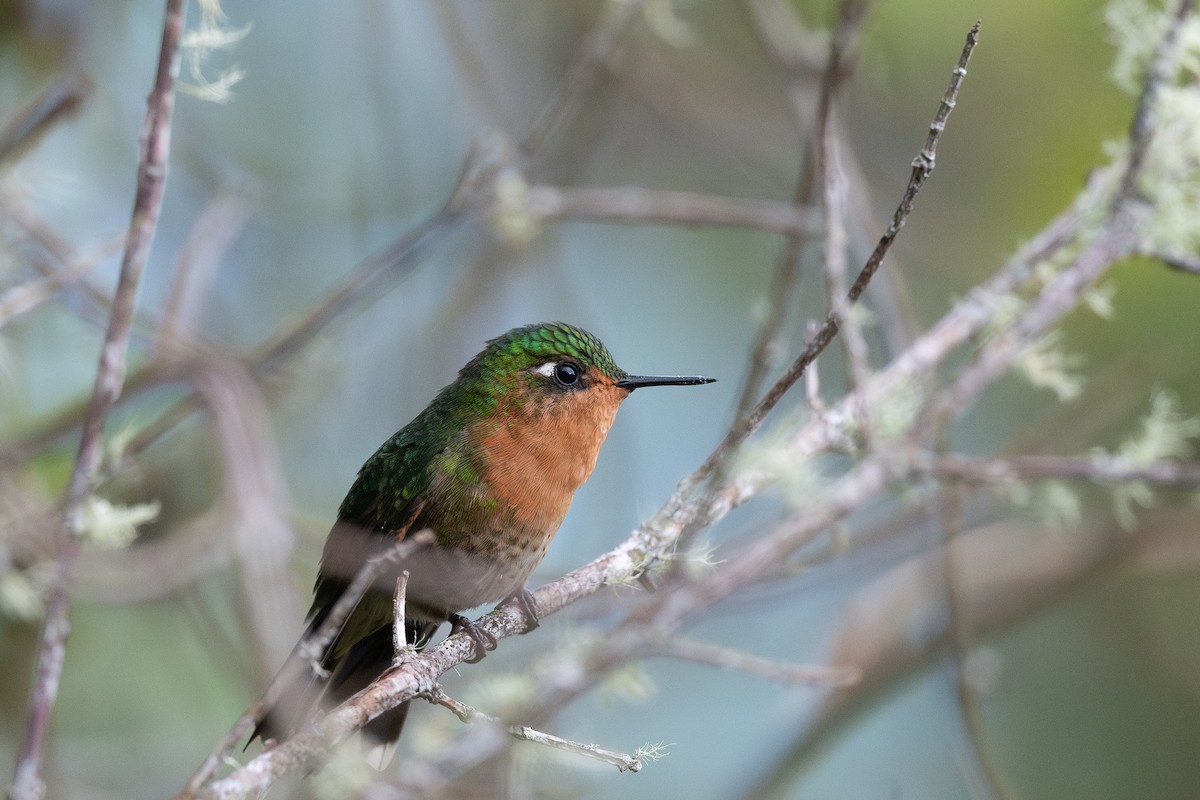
(297, 700)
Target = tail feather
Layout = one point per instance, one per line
(363, 662)
(297, 700)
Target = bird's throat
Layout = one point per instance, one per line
(535, 457)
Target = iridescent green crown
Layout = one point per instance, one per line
(534, 343)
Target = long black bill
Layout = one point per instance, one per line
(632, 382)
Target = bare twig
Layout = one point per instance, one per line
(622, 761)
(400, 644)
(110, 375)
(923, 166)
(730, 658)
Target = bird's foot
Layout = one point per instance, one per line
(525, 603)
(482, 640)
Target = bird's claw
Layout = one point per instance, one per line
(525, 603)
(482, 640)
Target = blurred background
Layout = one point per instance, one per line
(347, 130)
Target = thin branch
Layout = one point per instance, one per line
(854, 343)
(25, 297)
(214, 230)
(731, 658)
(616, 18)
(638, 206)
(923, 166)
(54, 257)
(255, 502)
(110, 376)
(622, 761)
(28, 124)
(1098, 468)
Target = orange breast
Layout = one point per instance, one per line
(538, 455)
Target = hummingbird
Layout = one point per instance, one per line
(490, 468)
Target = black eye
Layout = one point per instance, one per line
(566, 374)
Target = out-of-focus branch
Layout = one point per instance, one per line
(616, 18)
(25, 297)
(53, 258)
(255, 501)
(470, 197)
(214, 230)
(842, 50)
(1098, 468)
(110, 376)
(635, 205)
(28, 124)
(728, 658)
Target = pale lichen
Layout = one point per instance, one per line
(1169, 178)
(1165, 435)
(1046, 365)
(198, 45)
(23, 591)
(512, 215)
(653, 752)
(111, 526)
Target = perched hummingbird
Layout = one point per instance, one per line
(490, 467)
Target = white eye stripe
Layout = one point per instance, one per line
(546, 370)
